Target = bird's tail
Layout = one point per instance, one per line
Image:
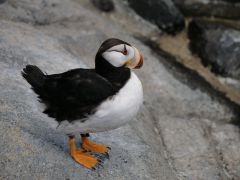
(35, 77)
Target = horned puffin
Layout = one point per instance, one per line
(92, 100)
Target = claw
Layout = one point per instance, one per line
(107, 155)
(100, 165)
(101, 158)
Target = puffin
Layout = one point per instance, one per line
(85, 101)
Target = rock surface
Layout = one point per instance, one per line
(104, 5)
(181, 131)
(218, 46)
(163, 13)
(228, 9)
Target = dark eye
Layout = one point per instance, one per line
(125, 52)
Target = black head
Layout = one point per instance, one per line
(118, 54)
(107, 44)
(114, 60)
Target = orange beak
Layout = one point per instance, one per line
(137, 61)
(140, 63)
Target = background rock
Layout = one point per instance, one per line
(39, 12)
(2, 1)
(181, 132)
(104, 5)
(217, 46)
(207, 8)
(163, 13)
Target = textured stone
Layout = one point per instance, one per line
(104, 5)
(217, 46)
(40, 12)
(163, 13)
(2, 1)
(228, 9)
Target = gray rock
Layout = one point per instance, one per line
(104, 5)
(228, 9)
(163, 13)
(181, 131)
(40, 12)
(218, 46)
(2, 1)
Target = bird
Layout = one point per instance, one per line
(85, 101)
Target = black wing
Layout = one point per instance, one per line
(74, 94)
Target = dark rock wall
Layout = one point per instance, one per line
(218, 46)
(104, 5)
(163, 13)
(208, 8)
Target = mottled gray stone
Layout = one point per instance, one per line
(228, 9)
(163, 13)
(218, 46)
(40, 12)
(104, 5)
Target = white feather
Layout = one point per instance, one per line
(117, 59)
(119, 47)
(112, 113)
(130, 50)
(115, 56)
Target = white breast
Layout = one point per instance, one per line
(114, 112)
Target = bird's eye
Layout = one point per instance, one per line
(125, 52)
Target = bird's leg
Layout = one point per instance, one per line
(88, 145)
(80, 157)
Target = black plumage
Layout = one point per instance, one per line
(75, 94)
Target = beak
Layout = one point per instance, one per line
(140, 63)
(137, 61)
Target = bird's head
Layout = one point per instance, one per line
(118, 53)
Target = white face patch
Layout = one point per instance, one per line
(119, 55)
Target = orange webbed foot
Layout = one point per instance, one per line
(94, 147)
(85, 159)
(81, 157)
